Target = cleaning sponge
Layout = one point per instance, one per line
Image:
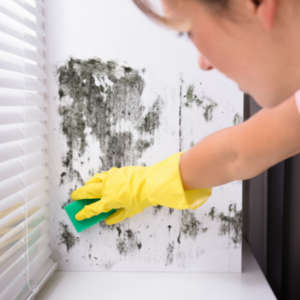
(75, 206)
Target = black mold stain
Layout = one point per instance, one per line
(108, 265)
(179, 237)
(152, 119)
(191, 97)
(141, 145)
(93, 97)
(170, 253)
(128, 242)
(207, 104)
(169, 227)
(119, 230)
(157, 209)
(231, 223)
(190, 226)
(237, 119)
(67, 237)
(212, 212)
(208, 111)
(104, 226)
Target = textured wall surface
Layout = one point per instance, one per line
(124, 91)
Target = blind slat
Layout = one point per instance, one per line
(18, 242)
(29, 8)
(14, 167)
(41, 276)
(25, 98)
(20, 264)
(12, 115)
(33, 220)
(8, 222)
(25, 68)
(25, 262)
(22, 36)
(26, 53)
(15, 132)
(11, 292)
(16, 17)
(19, 148)
(18, 198)
(24, 83)
(16, 183)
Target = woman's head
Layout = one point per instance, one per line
(253, 42)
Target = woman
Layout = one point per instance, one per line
(256, 44)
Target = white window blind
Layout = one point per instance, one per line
(25, 254)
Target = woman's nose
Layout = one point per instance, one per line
(204, 63)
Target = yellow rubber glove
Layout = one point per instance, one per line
(131, 189)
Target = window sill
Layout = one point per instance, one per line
(250, 284)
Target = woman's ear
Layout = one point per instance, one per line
(265, 10)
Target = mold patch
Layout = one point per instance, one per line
(230, 223)
(237, 119)
(191, 97)
(170, 254)
(157, 209)
(94, 97)
(128, 242)
(190, 226)
(66, 237)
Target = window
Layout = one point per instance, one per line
(25, 262)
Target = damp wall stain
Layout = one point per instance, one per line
(230, 223)
(126, 239)
(170, 254)
(67, 237)
(94, 96)
(190, 226)
(128, 242)
(157, 209)
(190, 97)
(237, 119)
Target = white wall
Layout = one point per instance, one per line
(116, 30)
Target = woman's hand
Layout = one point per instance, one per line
(131, 189)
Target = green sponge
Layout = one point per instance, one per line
(75, 206)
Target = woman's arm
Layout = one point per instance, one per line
(245, 150)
